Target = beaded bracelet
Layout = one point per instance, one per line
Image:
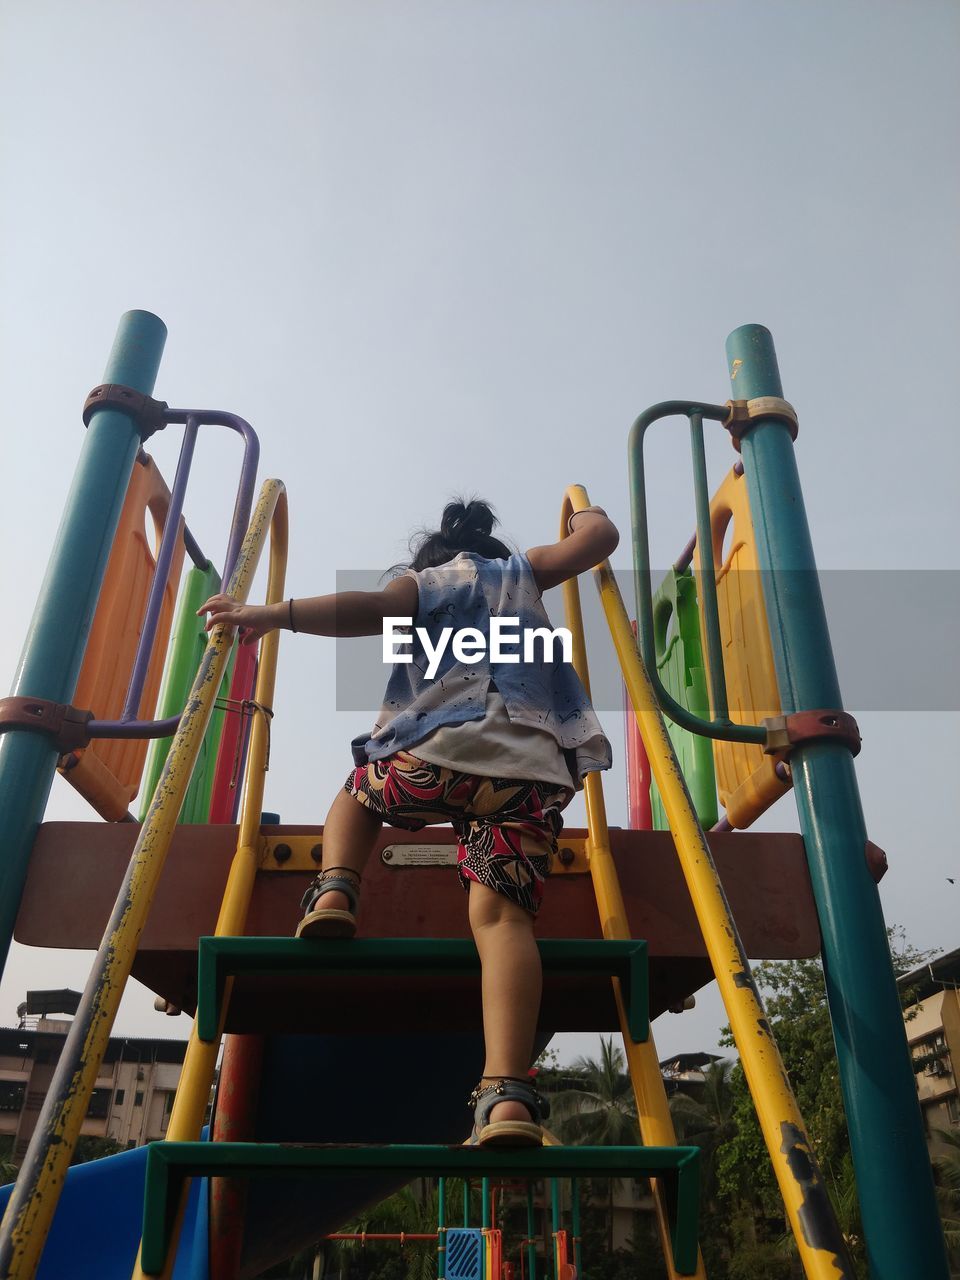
(290, 613)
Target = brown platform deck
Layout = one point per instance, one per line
(77, 868)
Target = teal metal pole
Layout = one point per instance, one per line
(575, 1225)
(894, 1178)
(531, 1242)
(57, 635)
(441, 1228)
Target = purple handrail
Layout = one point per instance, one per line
(193, 419)
(194, 551)
(248, 473)
(171, 532)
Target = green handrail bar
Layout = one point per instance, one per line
(721, 726)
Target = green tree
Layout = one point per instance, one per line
(600, 1111)
(87, 1148)
(548, 1061)
(8, 1166)
(91, 1148)
(796, 1007)
(707, 1122)
(412, 1209)
(947, 1167)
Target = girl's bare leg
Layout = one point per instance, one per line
(349, 834)
(512, 980)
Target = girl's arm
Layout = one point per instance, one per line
(592, 538)
(342, 613)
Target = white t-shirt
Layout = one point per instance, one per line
(495, 747)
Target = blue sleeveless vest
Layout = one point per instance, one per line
(467, 592)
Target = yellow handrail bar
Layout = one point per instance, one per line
(811, 1215)
(200, 1061)
(31, 1212)
(653, 1111)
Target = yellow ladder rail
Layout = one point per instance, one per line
(199, 1064)
(653, 1111)
(31, 1208)
(820, 1242)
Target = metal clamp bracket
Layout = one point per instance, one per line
(876, 861)
(784, 733)
(146, 412)
(743, 414)
(66, 725)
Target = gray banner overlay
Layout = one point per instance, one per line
(894, 632)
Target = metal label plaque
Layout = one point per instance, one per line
(420, 855)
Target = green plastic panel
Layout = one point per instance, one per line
(187, 643)
(681, 668)
(169, 1164)
(220, 958)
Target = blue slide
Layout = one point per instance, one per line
(96, 1229)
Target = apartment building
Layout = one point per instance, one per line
(132, 1098)
(686, 1073)
(933, 1033)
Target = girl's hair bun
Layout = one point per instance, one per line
(465, 523)
(464, 526)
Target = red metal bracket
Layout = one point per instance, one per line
(876, 861)
(66, 725)
(146, 412)
(786, 732)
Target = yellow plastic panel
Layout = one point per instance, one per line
(746, 779)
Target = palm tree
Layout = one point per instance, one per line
(707, 1122)
(947, 1166)
(601, 1111)
(842, 1189)
(8, 1166)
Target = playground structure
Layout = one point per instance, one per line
(479, 1253)
(217, 881)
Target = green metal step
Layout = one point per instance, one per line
(170, 1163)
(223, 958)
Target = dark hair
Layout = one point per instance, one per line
(463, 527)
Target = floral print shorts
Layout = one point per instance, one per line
(506, 828)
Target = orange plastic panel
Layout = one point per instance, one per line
(746, 779)
(494, 1254)
(107, 773)
(561, 1254)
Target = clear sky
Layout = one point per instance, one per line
(434, 247)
